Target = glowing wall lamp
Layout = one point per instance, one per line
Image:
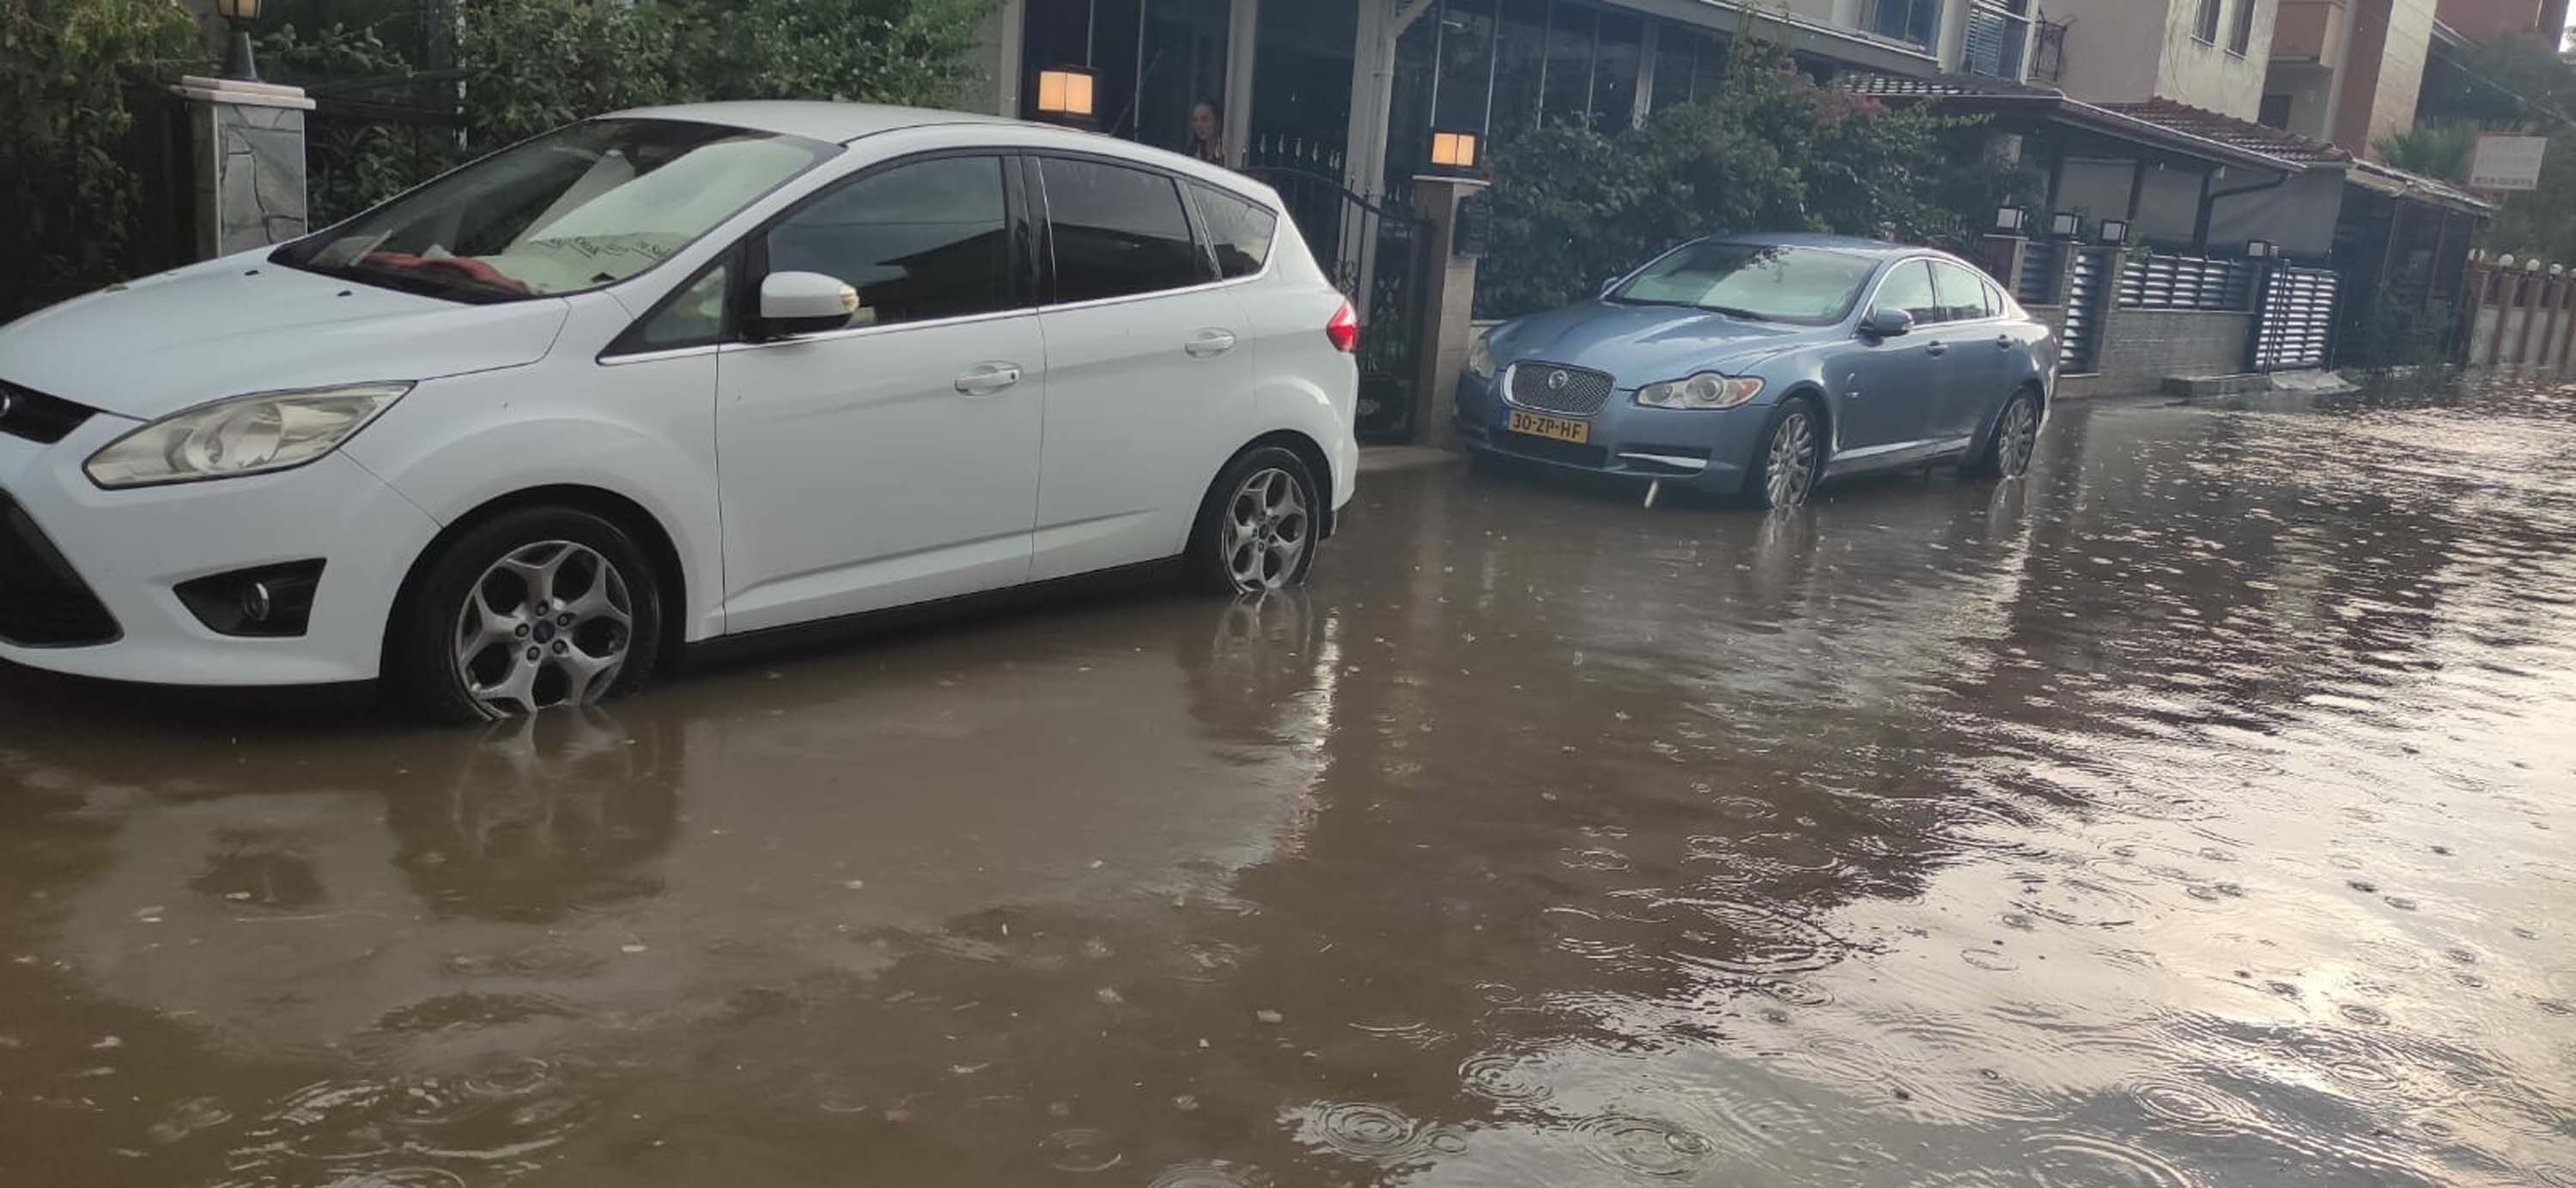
(239, 14)
(1065, 95)
(1453, 151)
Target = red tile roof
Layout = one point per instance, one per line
(2228, 130)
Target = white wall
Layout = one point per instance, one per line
(2107, 62)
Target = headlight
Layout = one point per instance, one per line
(244, 435)
(1708, 389)
(1480, 357)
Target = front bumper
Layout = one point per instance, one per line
(1699, 448)
(129, 550)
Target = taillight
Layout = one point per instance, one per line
(1344, 329)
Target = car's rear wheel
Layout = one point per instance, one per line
(2014, 442)
(540, 607)
(1257, 528)
(1784, 472)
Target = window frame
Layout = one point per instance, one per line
(1035, 187)
(1975, 274)
(1874, 16)
(1870, 307)
(2240, 34)
(2207, 20)
(629, 345)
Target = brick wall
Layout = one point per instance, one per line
(2144, 346)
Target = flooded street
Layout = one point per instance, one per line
(2198, 812)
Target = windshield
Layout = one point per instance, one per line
(1807, 286)
(586, 206)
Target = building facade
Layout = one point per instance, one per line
(2349, 72)
(1353, 88)
(2209, 54)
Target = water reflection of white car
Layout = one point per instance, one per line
(665, 377)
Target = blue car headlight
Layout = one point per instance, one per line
(1480, 357)
(1708, 389)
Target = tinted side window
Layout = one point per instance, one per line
(919, 241)
(1117, 231)
(1909, 288)
(1963, 294)
(692, 317)
(1238, 230)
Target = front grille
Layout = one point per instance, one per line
(43, 604)
(1534, 385)
(27, 413)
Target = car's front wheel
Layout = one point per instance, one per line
(1257, 528)
(539, 607)
(1784, 473)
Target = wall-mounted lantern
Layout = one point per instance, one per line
(1453, 151)
(1065, 95)
(2531, 265)
(238, 14)
(2012, 220)
(2066, 226)
(2113, 231)
(2258, 249)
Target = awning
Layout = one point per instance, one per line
(2161, 126)
(2415, 187)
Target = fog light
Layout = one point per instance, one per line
(272, 601)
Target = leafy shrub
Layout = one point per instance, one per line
(1770, 150)
(65, 66)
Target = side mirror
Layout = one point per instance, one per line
(1888, 323)
(793, 303)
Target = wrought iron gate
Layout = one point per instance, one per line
(1374, 251)
(2088, 296)
(2294, 322)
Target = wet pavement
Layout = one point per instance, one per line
(2197, 812)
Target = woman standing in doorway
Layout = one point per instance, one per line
(1207, 133)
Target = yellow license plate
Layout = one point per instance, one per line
(1554, 428)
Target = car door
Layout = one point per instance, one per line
(1892, 384)
(1981, 352)
(893, 460)
(1149, 367)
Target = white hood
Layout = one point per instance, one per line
(241, 324)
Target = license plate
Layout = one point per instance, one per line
(1553, 428)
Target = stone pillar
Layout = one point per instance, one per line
(2002, 257)
(1448, 306)
(248, 145)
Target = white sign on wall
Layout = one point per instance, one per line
(2507, 162)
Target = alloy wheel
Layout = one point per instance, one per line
(1267, 530)
(549, 624)
(2019, 438)
(1790, 468)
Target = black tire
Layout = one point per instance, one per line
(1216, 563)
(428, 629)
(1792, 415)
(2012, 441)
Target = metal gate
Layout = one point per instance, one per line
(2294, 323)
(1373, 250)
(2039, 264)
(2088, 297)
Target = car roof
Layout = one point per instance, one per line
(842, 123)
(838, 123)
(1838, 243)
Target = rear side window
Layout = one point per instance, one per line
(1117, 231)
(1239, 231)
(1963, 293)
(919, 241)
(1994, 303)
(1909, 288)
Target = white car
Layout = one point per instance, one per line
(664, 377)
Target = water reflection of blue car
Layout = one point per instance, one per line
(1761, 364)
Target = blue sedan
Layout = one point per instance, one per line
(1762, 364)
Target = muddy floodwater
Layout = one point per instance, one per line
(2200, 811)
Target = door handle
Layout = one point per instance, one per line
(1936, 349)
(1208, 344)
(988, 378)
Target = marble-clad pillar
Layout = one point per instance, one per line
(248, 145)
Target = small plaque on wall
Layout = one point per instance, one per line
(1473, 230)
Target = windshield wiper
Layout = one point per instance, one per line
(1738, 312)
